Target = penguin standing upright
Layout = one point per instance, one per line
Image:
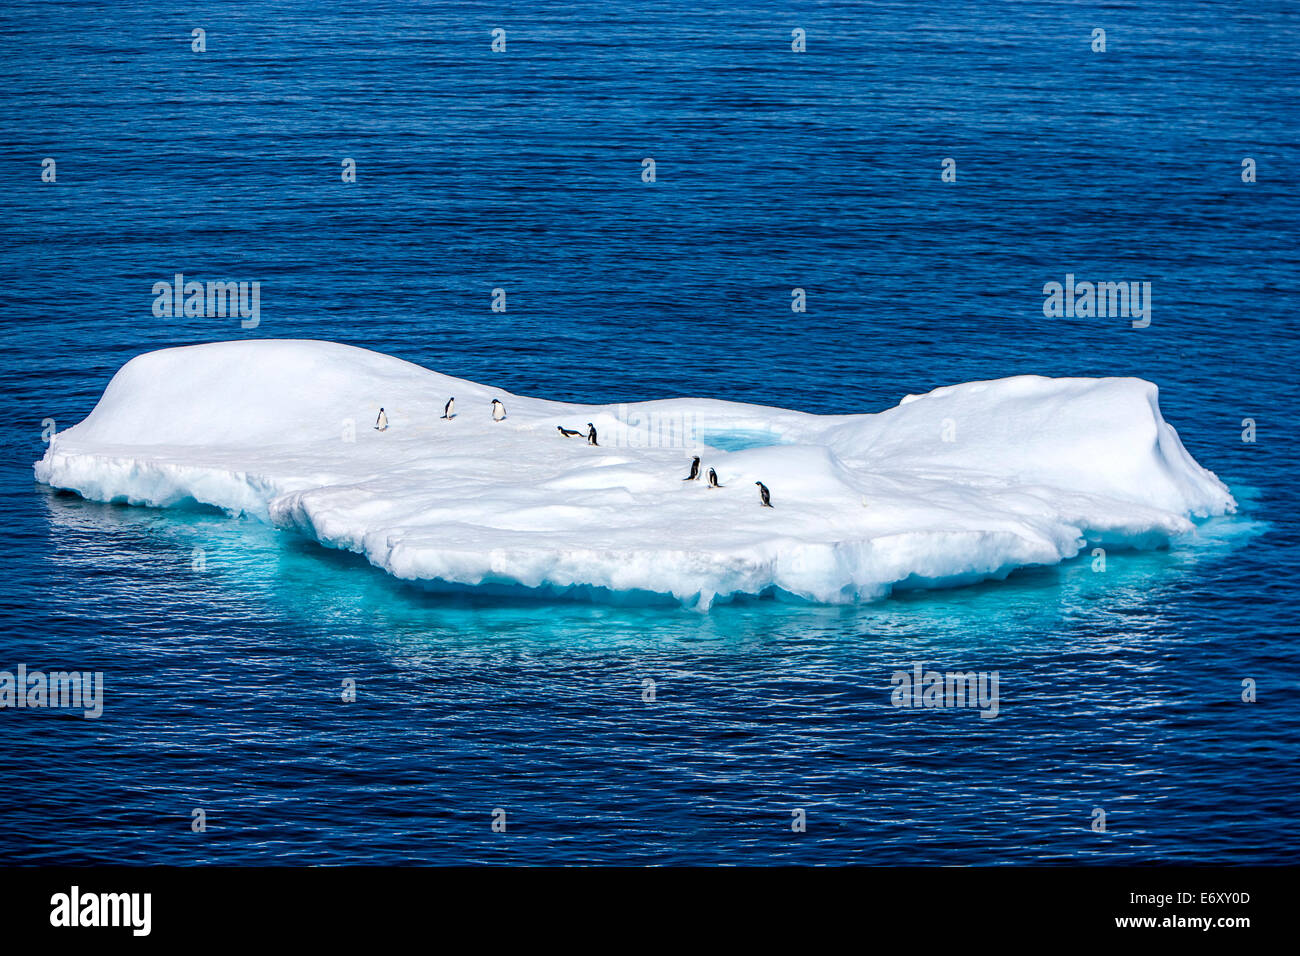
(498, 410)
(381, 423)
(591, 434)
(449, 410)
(695, 470)
(764, 495)
(713, 479)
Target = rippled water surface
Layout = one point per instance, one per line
(1119, 690)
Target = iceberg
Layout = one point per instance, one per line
(964, 483)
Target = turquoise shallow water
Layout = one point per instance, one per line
(1119, 690)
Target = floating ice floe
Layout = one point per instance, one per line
(964, 483)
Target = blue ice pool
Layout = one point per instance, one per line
(740, 439)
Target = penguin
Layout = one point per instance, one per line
(591, 434)
(763, 493)
(713, 479)
(449, 410)
(498, 410)
(381, 423)
(568, 432)
(695, 470)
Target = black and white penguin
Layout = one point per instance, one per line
(713, 479)
(449, 410)
(569, 432)
(695, 470)
(381, 423)
(591, 434)
(498, 410)
(763, 493)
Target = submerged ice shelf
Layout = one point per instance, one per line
(964, 483)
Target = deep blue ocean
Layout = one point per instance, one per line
(774, 170)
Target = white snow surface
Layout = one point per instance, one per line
(964, 483)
